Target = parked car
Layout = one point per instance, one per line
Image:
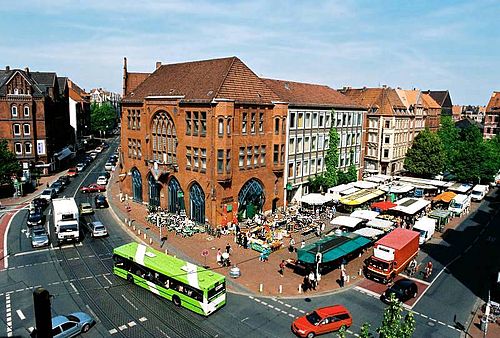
(105, 174)
(101, 201)
(35, 217)
(404, 289)
(102, 180)
(104, 145)
(80, 167)
(93, 155)
(94, 187)
(98, 149)
(64, 180)
(71, 325)
(39, 203)
(322, 320)
(39, 237)
(97, 229)
(48, 194)
(108, 166)
(112, 160)
(86, 209)
(57, 186)
(72, 172)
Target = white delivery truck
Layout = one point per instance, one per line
(459, 204)
(478, 192)
(426, 226)
(66, 219)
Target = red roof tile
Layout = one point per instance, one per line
(494, 103)
(134, 80)
(384, 99)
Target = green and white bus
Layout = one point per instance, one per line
(185, 284)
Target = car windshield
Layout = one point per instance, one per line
(39, 232)
(475, 192)
(397, 288)
(46, 192)
(455, 205)
(313, 318)
(73, 318)
(99, 228)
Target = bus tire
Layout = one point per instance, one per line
(176, 300)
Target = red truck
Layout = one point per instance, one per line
(391, 254)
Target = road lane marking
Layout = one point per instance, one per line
(113, 331)
(8, 315)
(21, 314)
(142, 319)
(122, 327)
(106, 278)
(131, 304)
(244, 319)
(132, 324)
(5, 248)
(74, 288)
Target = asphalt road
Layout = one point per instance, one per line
(80, 278)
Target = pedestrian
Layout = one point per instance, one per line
(342, 278)
(318, 230)
(306, 283)
(282, 267)
(245, 242)
(428, 270)
(291, 248)
(312, 278)
(47, 184)
(228, 248)
(302, 244)
(218, 257)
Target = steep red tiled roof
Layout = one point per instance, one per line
(494, 103)
(429, 102)
(226, 78)
(385, 99)
(298, 93)
(134, 80)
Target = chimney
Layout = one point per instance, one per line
(7, 68)
(124, 79)
(158, 64)
(27, 70)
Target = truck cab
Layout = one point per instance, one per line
(478, 192)
(459, 204)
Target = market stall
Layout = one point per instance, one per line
(442, 217)
(365, 214)
(381, 224)
(382, 206)
(346, 222)
(360, 199)
(371, 233)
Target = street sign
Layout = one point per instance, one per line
(204, 253)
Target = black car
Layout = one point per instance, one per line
(106, 173)
(112, 160)
(35, 217)
(104, 145)
(57, 186)
(64, 180)
(404, 289)
(39, 203)
(101, 202)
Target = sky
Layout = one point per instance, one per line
(433, 45)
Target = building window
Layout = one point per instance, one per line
(327, 120)
(308, 120)
(387, 139)
(292, 120)
(321, 120)
(315, 120)
(196, 158)
(321, 139)
(228, 161)
(129, 119)
(360, 116)
(26, 111)
(256, 156)
(276, 153)
(188, 123)
(13, 110)
(18, 148)
(26, 129)
(261, 122)
(313, 166)
(290, 169)
(249, 157)
(283, 125)
(203, 123)
(220, 161)
(27, 148)
(241, 159)
(305, 168)
(252, 123)
(320, 165)
(139, 150)
(138, 117)
(228, 127)
(298, 169)
(263, 155)
(300, 148)
(164, 138)
(300, 122)
(16, 129)
(386, 153)
(282, 157)
(276, 126)
(244, 123)
(203, 159)
(387, 124)
(327, 142)
(291, 148)
(220, 128)
(313, 143)
(196, 123)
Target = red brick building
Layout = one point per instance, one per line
(492, 117)
(200, 136)
(34, 117)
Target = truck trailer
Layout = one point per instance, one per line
(391, 254)
(66, 220)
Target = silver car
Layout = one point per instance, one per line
(39, 237)
(97, 229)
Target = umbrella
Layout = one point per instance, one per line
(446, 197)
(317, 199)
(383, 205)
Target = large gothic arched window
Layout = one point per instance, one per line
(164, 138)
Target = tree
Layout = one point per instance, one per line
(341, 333)
(426, 157)
(332, 158)
(102, 117)
(393, 323)
(448, 135)
(9, 164)
(318, 183)
(352, 173)
(365, 331)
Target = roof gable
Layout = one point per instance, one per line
(429, 102)
(494, 102)
(384, 100)
(133, 80)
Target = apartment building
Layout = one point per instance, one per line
(432, 111)
(492, 117)
(312, 111)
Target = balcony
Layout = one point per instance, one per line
(224, 178)
(278, 168)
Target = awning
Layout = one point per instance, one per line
(365, 214)
(411, 206)
(349, 191)
(317, 199)
(346, 221)
(369, 232)
(446, 197)
(383, 205)
(332, 248)
(365, 185)
(361, 196)
(340, 188)
(397, 188)
(379, 223)
(64, 153)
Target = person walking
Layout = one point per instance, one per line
(302, 244)
(343, 278)
(312, 279)
(218, 257)
(428, 270)
(282, 267)
(228, 248)
(291, 247)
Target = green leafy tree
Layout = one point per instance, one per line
(393, 323)
(332, 158)
(493, 149)
(448, 134)
(9, 165)
(365, 331)
(352, 173)
(342, 332)
(426, 157)
(317, 183)
(102, 117)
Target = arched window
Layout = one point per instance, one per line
(13, 110)
(164, 138)
(154, 191)
(197, 203)
(26, 111)
(16, 129)
(251, 198)
(175, 196)
(136, 185)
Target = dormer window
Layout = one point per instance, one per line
(16, 91)
(13, 110)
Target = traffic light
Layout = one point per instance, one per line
(43, 315)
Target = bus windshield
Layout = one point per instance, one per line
(216, 291)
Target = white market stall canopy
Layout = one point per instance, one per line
(399, 188)
(317, 199)
(380, 178)
(345, 221)
(369, 232)
(425, 222)
(364, 214)
(339, 188)
(349, 191)
(379, 223)
(410, 205)
(365, 185)
(460, 188)
(423, 182)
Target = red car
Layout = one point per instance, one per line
(72, 172)
(94, 187)
(322, 320)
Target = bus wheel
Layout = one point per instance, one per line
(176, 300)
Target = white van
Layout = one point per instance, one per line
(459, 204)
(426, 226)
(478, 192)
